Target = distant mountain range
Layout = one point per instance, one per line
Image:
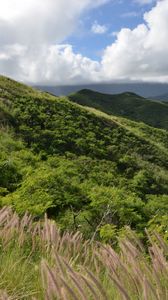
(149, 90)
(163, 97)
(129, 105)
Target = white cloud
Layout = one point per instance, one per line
(40, 21)
(55, 64)
(98, 28)
(140, 54)
(31, 50)
(30, 34)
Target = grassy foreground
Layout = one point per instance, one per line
(40, 262)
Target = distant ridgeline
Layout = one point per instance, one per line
(129, 105)
(163, 97)
(88, 170)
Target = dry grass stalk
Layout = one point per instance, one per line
(76, 269)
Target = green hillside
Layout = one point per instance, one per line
(129, 105)
(86, 169)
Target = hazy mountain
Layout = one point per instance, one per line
(163, 97)
(143, 89)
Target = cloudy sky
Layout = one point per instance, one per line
(84, 41)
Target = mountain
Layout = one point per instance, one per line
(163, 97)
(147, 90)
(129, 105)
(84, 168)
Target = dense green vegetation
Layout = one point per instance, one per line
(89, 171)
(127, 105)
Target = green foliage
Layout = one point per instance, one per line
(89, 171)
(108, 233)
(159, 223)
(15, 162)
(9, 175)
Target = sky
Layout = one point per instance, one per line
(69, 42)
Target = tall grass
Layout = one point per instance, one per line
(37, 261)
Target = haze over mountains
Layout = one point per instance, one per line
(150, 90)
(163, 97)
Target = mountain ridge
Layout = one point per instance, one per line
(129, 105)
(147, 90)
(162, 97)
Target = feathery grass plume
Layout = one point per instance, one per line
(91, 288)
(70, 290)
(39, 262)
(161, 242)
(97, 283)
(76, 280)
(4, 296)
(77, 284)
(51, 284)
(121, 288)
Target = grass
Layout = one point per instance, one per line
(40, 262)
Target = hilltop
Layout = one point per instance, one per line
(79, 164)
(129, 105)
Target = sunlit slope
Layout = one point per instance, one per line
(56, 125)
(74, 162)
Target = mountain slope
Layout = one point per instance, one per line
(56, 125)
(77, 163)
(163, 97)
(127, 105)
